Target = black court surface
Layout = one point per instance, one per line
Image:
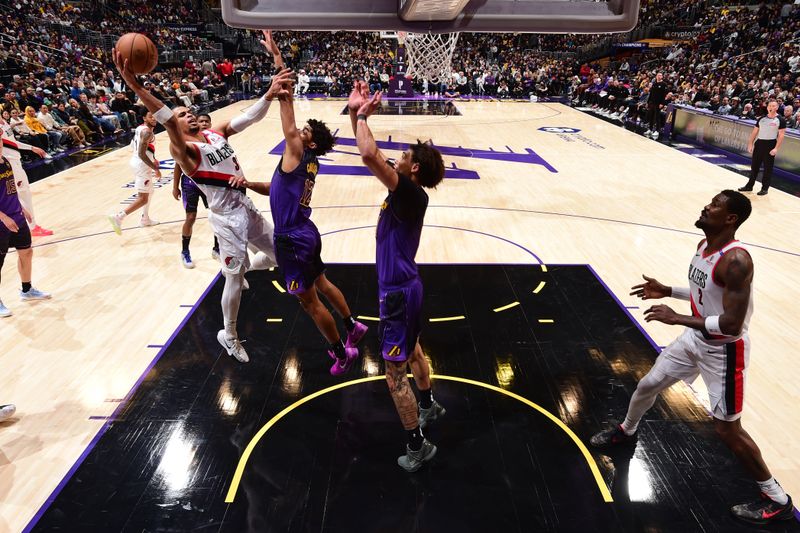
(532, 362)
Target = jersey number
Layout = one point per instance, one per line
(236, 163)
(305, 198)
(700, 296)
(11, 187)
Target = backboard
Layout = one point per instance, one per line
(437, 16)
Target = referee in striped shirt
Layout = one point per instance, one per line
(764, 143)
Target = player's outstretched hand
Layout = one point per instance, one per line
(369, 106)
(281, 84)
(269, 43)
(123, 68)
(651, 290)
(661, 313)
(237, 182)
(356, 99)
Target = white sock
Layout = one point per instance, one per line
(146, 209)
(122, 215)
(629, 427)
(772, 489)
(230, 329)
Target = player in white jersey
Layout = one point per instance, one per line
(211, 162)
(715, 345)
(145, 173)
(12, 154)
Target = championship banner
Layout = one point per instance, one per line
(635, 46)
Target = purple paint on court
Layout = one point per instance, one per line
(528, 157)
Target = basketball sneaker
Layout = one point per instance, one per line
(763, 511)
(613, 436)
(145, 222)
(430, 414)
(355, 336)
(233, 347)
(38, 231)
(340, 367)
(413, 459)
(186, 259)
(7, 411)
(116, 222)
(4, 311)
(34, 294)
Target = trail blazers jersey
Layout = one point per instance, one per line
(151, 148)
(217, 165)
(706, 290)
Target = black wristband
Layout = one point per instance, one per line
(362, 116)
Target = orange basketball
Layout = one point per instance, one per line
(140, 52)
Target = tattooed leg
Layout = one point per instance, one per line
(404, 400)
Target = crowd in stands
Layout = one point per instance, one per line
(58, 93)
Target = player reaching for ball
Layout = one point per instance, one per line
(210, 161)
(298, 245)
(399, 286)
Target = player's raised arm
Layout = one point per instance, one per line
(269, 43)
(258, 110)
(370, 154)
(293, 152)
(180, 150)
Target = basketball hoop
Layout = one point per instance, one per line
(430, 54)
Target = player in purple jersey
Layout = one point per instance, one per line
(297, 240)
(399, 286)
(15, 233)
(183, 188)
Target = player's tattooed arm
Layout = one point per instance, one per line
(737, 275)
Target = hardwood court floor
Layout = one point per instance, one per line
(619, 202)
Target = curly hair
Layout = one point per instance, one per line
(321, 136)
(431, 164)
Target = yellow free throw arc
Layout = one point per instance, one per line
(237, 476)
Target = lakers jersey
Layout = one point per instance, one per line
(706, 290)
(217, 164)
(146, 133)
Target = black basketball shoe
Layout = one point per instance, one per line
(763, 511)
(613, 436)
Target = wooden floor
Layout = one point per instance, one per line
(624, 204)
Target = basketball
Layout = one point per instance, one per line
(140, 52)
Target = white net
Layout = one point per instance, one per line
(430, 55)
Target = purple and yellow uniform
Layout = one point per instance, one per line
(10, 206)
(191, 194)
(298, 244)
(399, 285)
